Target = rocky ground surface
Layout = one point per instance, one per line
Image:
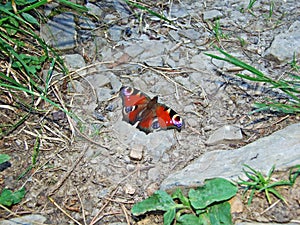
(97, 177)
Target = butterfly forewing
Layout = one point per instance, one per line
(134, 102)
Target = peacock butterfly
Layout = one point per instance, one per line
(147, 113)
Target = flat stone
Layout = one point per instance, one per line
(174, 35)
(28, 220)
(60, 31)
(285, 45)
(155, 144)
(224, 134)
(86, 23)
(115, 32)
(200, 62)
(98, 80)
(280, 149)
(178, 11)
(75, 62)
(134, 50)
(154, 174)
(212, 15)
(190, 34)
(104, 94)
(156, 61)
(170, 62)
(136, 152)
(152, 48)
(93, 9)
(115, 82)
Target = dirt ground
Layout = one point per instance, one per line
(86, 175)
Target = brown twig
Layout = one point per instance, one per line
(82, 207)
(165, 76)
(63, 211)
(126, 214)
(62, 180)
(94, 220)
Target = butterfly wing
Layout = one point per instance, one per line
(160, 117)
(134, 103)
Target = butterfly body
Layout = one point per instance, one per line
(147, 113)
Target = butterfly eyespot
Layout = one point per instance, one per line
(129, 109)
(155, 125)
(177, 121)
(127, 91)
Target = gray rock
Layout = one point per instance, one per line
(136, 153)
(178, 11)
(212, 15)
(130, 167)
(48, 8)
(184, 81)
(98, 80)
(122, 8)
(155, 144)
(225, 134)
(175, 56)
(75, 62)
(163, 88)
(28, 220)
(115, 33)
(86, 23)
(93, 9)
(281, 148)
(134, 50)
(115, 82)
(174, 35)
(104, 94)
(152, 48)
(60, 31)
(170, 62)
(190, 34)
(154, 174)
(200, 62)
(156, 61)
(286, 44)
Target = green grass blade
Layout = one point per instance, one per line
(134, 4)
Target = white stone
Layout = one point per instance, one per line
(280, 149)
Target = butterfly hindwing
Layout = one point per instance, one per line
(168, 118)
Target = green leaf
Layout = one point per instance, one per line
(220, 214)
(204, 219)
(214, 190)
(29, 18)
(14, 22)
(169, 216)
(188, 219)
(184, 200)
(9, 198)
(160, 200)
(4, 158)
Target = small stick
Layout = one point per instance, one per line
(83, 212)
(126, 215)
(63, 211)
(62, 180)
